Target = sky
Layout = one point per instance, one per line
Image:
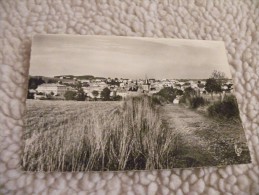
(126, 57)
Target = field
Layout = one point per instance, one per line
(135, 134)
(81, 136)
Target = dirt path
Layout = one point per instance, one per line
(182, 120)
(185, 122)
(202, 141)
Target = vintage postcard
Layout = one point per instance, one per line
(107, 103)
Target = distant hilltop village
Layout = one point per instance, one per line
(93, 86)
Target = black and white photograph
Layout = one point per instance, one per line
(111, 103)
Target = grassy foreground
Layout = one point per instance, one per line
(98, 136)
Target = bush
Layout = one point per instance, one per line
(196, 102)
(184, 99)
(157, 100)
(80, 95)
(117, 98)
(168, 93)
(226, 109)
(70, 95)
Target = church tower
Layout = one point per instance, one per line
(146, 85)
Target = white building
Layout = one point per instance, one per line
(56, 89)
(176, 101)
(84, 80)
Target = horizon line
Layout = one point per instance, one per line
(125, 77)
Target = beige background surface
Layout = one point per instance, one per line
(235, 22)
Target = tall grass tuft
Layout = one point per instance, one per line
(131, 136)
(196, 102)
(227, 109)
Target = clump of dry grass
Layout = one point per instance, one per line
(106, 136)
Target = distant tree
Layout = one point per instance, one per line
(219, 78)
(34, 82)
(212, 86)
(70, 95)
(218, 75)
(105, 94)
(80, 94)
(95, 94)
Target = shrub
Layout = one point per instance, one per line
(196, 102)
(117, 98)
(226, 109)
(168, 93)
(187, 96)
(189, 91)
(95, 94)
(179, 92)
(184, 99)
(158, 100)
(70, 95)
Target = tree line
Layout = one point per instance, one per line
(79, 95)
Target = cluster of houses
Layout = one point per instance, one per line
(118, 87)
